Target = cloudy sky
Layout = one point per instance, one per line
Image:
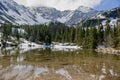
(72, 4)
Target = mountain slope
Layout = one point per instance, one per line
(12, 12)
(111, 16)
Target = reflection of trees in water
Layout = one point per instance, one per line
(8, 51)
(47, 64)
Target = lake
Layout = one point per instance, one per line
(47, 64)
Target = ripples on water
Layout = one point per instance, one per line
(58, 65)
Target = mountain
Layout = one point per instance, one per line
(110, 16)
(80, 14)
(12, 12)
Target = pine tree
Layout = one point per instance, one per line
(92, 37)
(118, 36)
(100, 33)
(107, 35)
(86, 39)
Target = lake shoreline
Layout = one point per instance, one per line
(108, 51)
(56, 46)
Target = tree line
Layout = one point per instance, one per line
(87, 37)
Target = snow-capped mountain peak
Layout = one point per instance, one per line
(12, 12)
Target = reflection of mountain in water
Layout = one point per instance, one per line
(29, 72)
(58, 65)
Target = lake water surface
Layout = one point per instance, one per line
(58, 65)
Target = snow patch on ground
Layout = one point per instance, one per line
(27, 45)
(100, 46)
(65, 48)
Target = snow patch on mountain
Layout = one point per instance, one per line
(113, 22)
(100, 16)
(12, 12)
(66, 18)
(41, 20)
